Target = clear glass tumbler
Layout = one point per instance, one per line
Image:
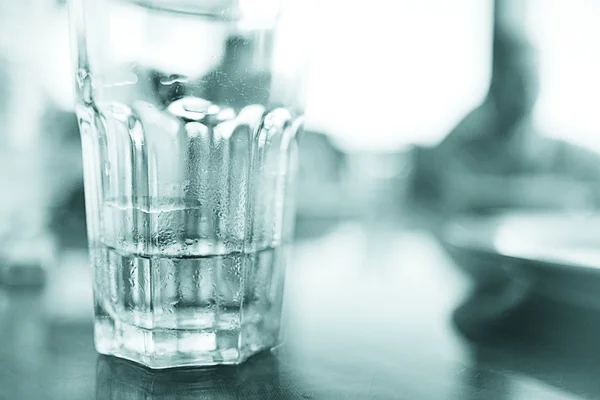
(189, 113)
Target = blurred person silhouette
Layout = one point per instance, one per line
(495, 157)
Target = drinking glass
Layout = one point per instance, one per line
(189, 113)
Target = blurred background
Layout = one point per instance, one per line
(448, 146)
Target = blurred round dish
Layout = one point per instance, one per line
(553, 254)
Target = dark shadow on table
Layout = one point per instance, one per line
(554, 342)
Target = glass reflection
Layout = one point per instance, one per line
(122, 380)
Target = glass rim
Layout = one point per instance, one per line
(218, 10)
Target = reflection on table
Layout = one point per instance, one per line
(259, 377)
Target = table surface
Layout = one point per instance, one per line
(373, 312)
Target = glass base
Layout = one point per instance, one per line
(171, 348)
